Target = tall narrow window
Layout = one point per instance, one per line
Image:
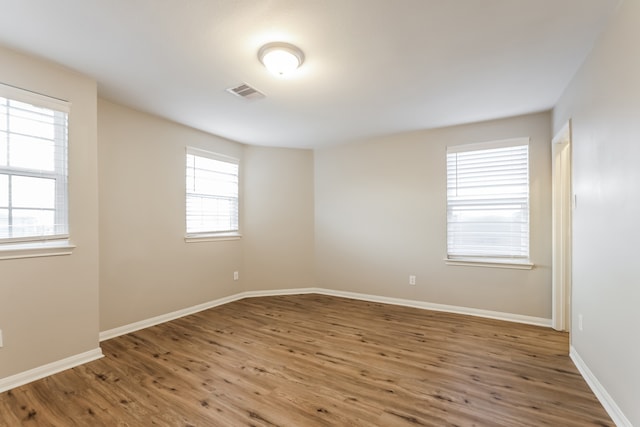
(488, 201)
(212, 194)
(33, 167)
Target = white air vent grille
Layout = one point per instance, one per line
(245, 91)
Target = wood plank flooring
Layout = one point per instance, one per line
(313, 360)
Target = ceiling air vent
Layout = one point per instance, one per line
(245, 91)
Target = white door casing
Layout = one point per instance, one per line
(562, 215)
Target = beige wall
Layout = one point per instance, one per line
(278, 218)
(380, 216)
(49, 306)
(146, 268)
(603, 102)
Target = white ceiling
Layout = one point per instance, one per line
(372, 67)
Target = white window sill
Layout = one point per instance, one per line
(491, 263)
(214, 237)
(35, 249)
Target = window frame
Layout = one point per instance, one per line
(207, 236)
(57, 243)
(495, 260)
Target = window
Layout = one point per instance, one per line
(488, 201)
(212, 194)
(33, 167)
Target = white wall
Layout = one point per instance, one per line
(603, 102)
(49, 306)
(380, 216)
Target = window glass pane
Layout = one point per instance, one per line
(33, 167)
(488, 202)
(29, 192)
(32, 153)
(215, 183)
(204, 163)
(191, 183)
(3, 133)
(213, 177)
(27, 119)
(32, 222)
(4, 191)
(4, 223)
(208, 213)
(3, 114)
(204, 182)
(211, 214)
(3, 147)
(212, 195)
(199, 214)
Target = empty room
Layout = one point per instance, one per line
(319, 213)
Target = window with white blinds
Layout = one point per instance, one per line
(33, 167)
(212, 194)
(488, 200)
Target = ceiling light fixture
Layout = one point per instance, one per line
(280, 58)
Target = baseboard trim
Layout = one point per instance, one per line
(136, 326)
(153, 321)
(43, 371)
(598, 389)
(497, 315)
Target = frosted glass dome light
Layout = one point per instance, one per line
(280, 58)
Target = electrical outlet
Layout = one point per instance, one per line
(412, 280)
(236, 275)
(580, 322)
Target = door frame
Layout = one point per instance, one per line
(561, 234)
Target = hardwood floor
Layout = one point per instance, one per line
(313, 360)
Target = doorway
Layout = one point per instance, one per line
(561, 218)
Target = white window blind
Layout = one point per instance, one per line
(212, 193)
(33, 167)
(488, 200)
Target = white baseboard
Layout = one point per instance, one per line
(276, 292)
(601, 393)
(142, 324)
(136, 326)
(132, 327)
(40, 372)
(509, 317)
